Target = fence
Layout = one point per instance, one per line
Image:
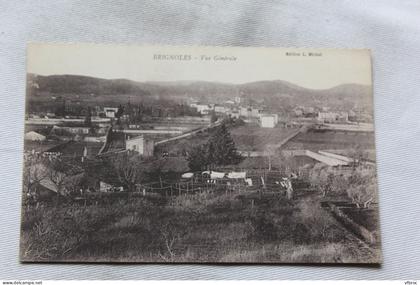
(183, 188)
(267, 181)
(264, 181)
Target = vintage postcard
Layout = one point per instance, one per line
(199, 155)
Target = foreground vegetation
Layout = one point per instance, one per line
(197, 228)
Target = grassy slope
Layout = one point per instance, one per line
(200, 228)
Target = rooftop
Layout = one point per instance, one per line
(76, 149)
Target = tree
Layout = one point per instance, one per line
(127, 167)
(137, 115)
(224, 148)
(358, 155)
(64, 177)
(197, 158)
(209, 148)
(61, 108)
(271, 152)
(362, 188)
(33, 174)
(57, 176)
(119, 112)
(219, 150)
(322, 177)
(213, 117)
(88, 118)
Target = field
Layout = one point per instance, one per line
(323, 139)
(196, 228)
(181, 146)
(254, 138)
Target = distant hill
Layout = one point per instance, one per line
(67, 84)
(272, 93)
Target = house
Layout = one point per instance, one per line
(331, 117)
(220, 109)
(255, 112)
(204, 109)
(193, 103)
(298, 112)
(110, 112)
(352, 116)
(141, 145)
(77, 149)
(101, 131)
(308, 110)
(96, 139)
(46, 186)
(245, 111)
(327, 116)
(234, 113)
(34, 136)
(269, 120)
(343, 117)
(106, 187)
(58, 130)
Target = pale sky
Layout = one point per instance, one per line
(137, 63)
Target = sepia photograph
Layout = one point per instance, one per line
(195, 154)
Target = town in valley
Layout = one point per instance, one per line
(194, 171)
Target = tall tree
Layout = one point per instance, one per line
(61, 108)
(225, 152)
(271, 153)
(197, 158)
(119, 112)
(210, 159)
(88, 117)
(213, 117)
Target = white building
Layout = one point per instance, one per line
(95, 139)
(141, 145)
(72, 130)
(269, 120)
(106, 187)
(235, 114)
(220, 109)
(110, 112)
(255, 112)
(204, 109)
(331, 117)
(245, 112)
